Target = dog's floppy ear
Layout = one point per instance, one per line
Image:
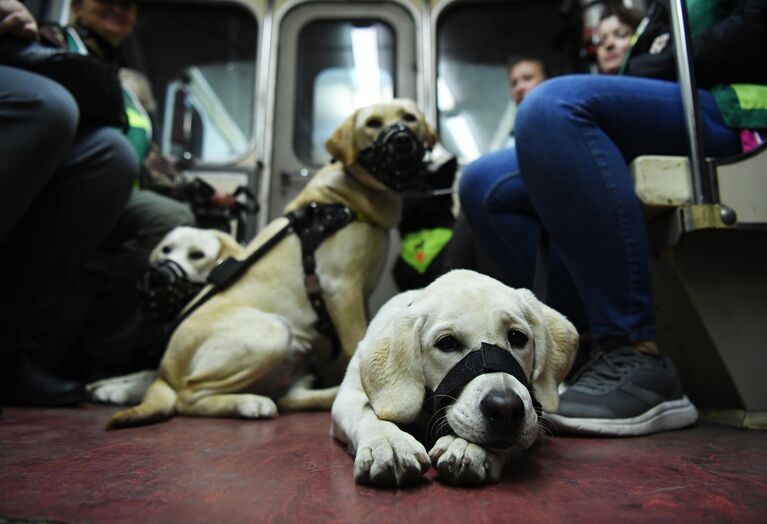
(228, 245)
(391, 369)
(342, 144)
(556, 343)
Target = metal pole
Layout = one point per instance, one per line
(700, 180)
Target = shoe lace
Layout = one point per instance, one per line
(605, 369)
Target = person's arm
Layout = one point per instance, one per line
(730, 51)
(16, 20)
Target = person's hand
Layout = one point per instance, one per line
(223, 199)
(16, 20)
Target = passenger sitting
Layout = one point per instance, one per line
(525, 72)
(463, 252)
(114, 328)
(575, 136)
(616, 28)
(63, 191)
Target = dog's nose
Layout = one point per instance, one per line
(403, 144)
(502, 409)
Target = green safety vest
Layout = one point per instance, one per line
(420, 248)
(139, 131)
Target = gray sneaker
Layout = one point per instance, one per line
(624, 392)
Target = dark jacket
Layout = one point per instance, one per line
(734, 50)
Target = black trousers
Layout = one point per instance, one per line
(63, 190)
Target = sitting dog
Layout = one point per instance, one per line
(252, 343)
(484, 351)
(194, 253)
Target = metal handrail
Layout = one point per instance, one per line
(700, 175)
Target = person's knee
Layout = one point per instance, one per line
(537, 109)
(57, 115)
(120, 156)
(551, 104)
(177, 214)
(163, 213)
(470, 183)
(476, 179)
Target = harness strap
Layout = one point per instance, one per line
(326, 220)
(312, 224)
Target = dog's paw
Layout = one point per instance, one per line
(122, 391)
(391, 460)
(461, 462)
(255, 406)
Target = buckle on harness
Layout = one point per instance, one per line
(312, 283)
(224, 271)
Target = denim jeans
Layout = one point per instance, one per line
(575, 136)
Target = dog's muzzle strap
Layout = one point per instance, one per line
(487, 359)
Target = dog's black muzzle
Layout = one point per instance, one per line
(395, 158)
(503, 410)
(487, 359)
(164, 289)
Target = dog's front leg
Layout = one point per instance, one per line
(384, 455)
(461, 462)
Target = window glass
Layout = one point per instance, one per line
(475, 41)
(207, 53)
(342, 65)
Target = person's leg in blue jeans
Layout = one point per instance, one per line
(575, 138)
(497, 206)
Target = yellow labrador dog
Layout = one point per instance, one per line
(245, 352)
(195, 252)
(421, 337)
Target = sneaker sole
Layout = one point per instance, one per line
(666, 416)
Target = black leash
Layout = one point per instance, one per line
(313, 224)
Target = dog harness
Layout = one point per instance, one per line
(312, 224)
(488, 358)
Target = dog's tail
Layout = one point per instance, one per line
(159, 404)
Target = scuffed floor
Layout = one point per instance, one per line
(60, 465)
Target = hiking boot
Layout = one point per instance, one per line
(624, 392)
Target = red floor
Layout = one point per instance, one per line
(60, 465)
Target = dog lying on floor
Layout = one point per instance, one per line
(252, 344)
(194, 252)
(476, 344)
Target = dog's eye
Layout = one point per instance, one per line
(517, 338)
(447, 343)
(196, 255)
(374, 123)
(409, 117)
(167, 249)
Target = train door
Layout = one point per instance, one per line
(332, 57)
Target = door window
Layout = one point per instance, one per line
(201, 60)
(342, 65)
(332, 58)
(475, 41)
